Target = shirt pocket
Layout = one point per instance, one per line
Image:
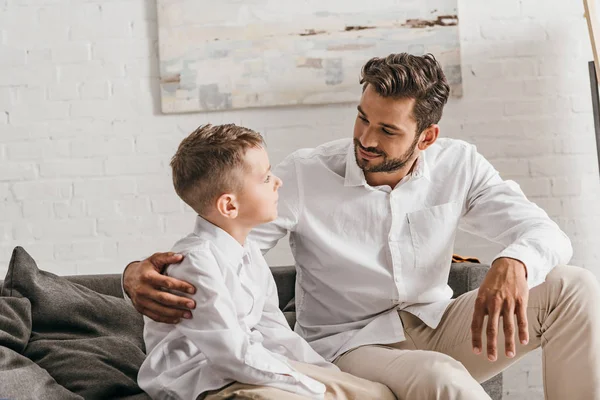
(433, 231)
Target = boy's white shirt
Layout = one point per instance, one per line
(237, 332)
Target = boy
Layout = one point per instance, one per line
(237, 343)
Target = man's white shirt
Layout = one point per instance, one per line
(362, 253)
(237, 332)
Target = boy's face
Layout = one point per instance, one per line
(258, 198)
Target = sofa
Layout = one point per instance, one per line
(75, 337)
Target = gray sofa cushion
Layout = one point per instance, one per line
(19, 376)
(90, 343)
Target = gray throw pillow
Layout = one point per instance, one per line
(90, 343)
(21, 378)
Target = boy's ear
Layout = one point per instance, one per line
(227, 205)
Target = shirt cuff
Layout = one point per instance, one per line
(536, 270)
(125, 296)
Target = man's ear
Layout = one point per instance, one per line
(228, 206)
(429, 136)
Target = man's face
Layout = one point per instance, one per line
(385, 133)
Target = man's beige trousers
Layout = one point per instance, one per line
(564, 318)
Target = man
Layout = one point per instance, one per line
(372, 224)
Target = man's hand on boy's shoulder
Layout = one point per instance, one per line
(146, 287)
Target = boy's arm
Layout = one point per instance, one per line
(216, 332)
(279, 338)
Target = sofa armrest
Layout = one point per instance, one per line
(465, 277)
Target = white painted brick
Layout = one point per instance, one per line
(8, 97)
(39, 56)
(562, 165)
(167, 204)
(63, 229)
(85, 250)
(10, 56)
(513, 30)
(134, 165)
(542, 106)
(42, 190)
(12, 171)
(39, 251)
(5, 193)
(102, 145)
(74, 208)
(105, 188)
(10, 211)
(102, 109)
(46, 149)
(166, 145)
(503, 146)
(550, 86)
(71, 52)
(179, 224)
(513, 168)
(31, 94)
(154, 184)
(81, 30)
(535, 9)
(29, 75)
(101, 207)
(132, 249)
(118, 49)
(130, 226)
(71, 168)
(34, 210)
(581, 104)
(61, 268)
(38, 37)
(91, 70)
(40, 112)
(98, 90)
(63, 91)
(535, 186)
(5, 231)
(136, 206)
(570, 186)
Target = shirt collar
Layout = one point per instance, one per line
(356, 177)
(231, 249)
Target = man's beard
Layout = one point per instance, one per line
(387, 165)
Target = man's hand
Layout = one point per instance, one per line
(503, 293)
(144, 284)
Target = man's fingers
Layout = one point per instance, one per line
(158, 318)
(161, 260)
(492, 331)
(161, 310)
(166, 282)
(477, 326)
(508, 322)
(522, 323)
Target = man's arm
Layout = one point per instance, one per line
(143, 281)
(533, 244)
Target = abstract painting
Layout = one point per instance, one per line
(231, 54)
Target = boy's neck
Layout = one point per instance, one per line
(238, 232)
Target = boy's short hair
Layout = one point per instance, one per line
(209, 163)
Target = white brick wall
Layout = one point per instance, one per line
(84, 149)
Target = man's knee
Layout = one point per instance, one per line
(439, 376)
(575, 280)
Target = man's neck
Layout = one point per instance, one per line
(390, 179)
